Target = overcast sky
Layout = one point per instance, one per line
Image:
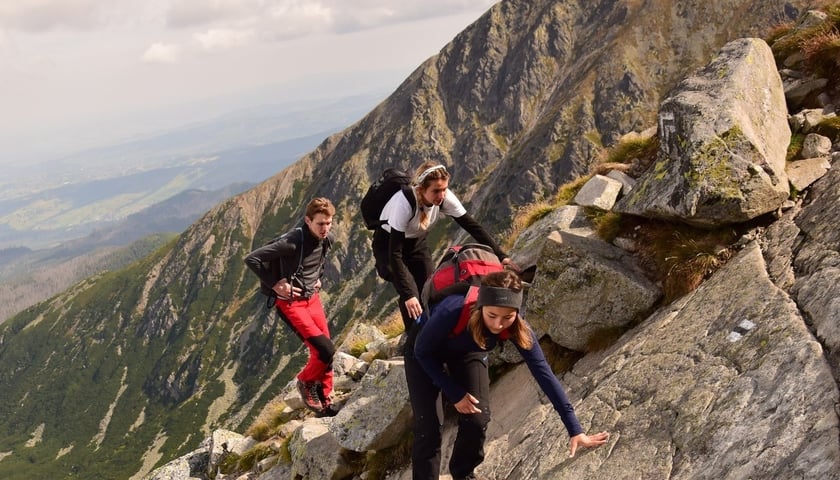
(66, 63)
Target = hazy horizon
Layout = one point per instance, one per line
(80, 74)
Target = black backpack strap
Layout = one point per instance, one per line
(412, 200)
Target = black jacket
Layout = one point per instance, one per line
(297, 255)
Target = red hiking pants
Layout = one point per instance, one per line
(306, 317)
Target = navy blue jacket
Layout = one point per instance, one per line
(434, 346)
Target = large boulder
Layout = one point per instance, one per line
(585, 287)
(315, 452)
(378, 413)
(723, 139)
(529, 244)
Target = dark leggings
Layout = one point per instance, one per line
(417, 259)
(470, 371)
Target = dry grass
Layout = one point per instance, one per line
(608, 225)
(525, 217)
(822, 53)
(638, 153)
(236, 464)
(567, 192)
(829, 127)
(393, 325)
(266, 424)
(819, 44)
(778, 31)
(681, 257)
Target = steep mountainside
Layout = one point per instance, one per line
(142, 363)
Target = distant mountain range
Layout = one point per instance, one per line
(101, 209)
(41, 206)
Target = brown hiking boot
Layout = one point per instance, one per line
(328, 409)
(309, 393)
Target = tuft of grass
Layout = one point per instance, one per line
(357, 348)
(567, 192)
(608, 225)
(833, 12)
(285, 453)
(797, 140)
(829, 127)
(525, 217)
(267, 423)
(680, 256)
(393, 325)
(819, 44)
(778, 31)
(253, 456)
(822, 53)
(642, 149)
(237, 464)
(792, 42)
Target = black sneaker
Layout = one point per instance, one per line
(310, 394)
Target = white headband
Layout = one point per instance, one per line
(426, 173)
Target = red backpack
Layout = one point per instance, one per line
(461, 267)
(466, 312)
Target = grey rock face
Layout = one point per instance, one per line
(377, 413)
(717, 385)
(817, 263)
(528, 247)
(584, 287)
(315, 453)
(724, 135)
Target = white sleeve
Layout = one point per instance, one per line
(451, 206)
(398, 213)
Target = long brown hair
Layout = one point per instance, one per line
(519, 332)
(423, 184)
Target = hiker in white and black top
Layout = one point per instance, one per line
(402, 255)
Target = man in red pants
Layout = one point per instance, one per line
(291, 267)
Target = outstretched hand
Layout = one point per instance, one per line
(467, 405)
(584, 440)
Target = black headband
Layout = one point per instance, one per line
(499, 297)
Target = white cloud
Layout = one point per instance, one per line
(47, 15)
(50, 49)
(282, 19)
(222, 38)
(161, 53)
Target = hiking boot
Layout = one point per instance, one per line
(328, 409)
(310, 394)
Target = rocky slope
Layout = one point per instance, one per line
(134, 368)
(731, 380)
